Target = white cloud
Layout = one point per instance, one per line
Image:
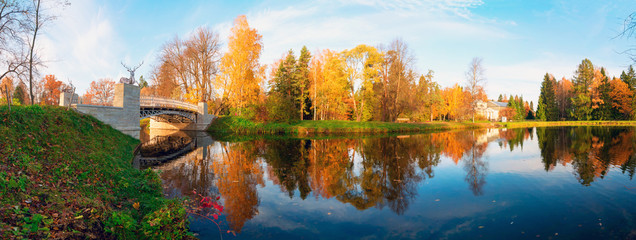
(82, 45)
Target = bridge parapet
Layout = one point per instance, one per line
(150, 101)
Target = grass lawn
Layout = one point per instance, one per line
(237, 125)
(66, 175)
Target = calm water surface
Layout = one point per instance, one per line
(541, 183)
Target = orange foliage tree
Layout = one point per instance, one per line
(51, 89)
(621, 99)
(100, 92)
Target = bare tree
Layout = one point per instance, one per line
(191, 63)
(12, 21)
(629, 27)
(37, 18)
(475, 79)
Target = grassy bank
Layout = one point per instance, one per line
(566, 123)
(236, 125)
(65, 175)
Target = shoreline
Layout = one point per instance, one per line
(238, 126)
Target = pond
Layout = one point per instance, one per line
(539, 183)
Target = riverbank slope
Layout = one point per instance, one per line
(66, 175)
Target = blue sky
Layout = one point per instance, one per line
(519, 40)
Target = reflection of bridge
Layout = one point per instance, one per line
(170, 145)
(128, 108)
(162, 149)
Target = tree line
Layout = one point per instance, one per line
(589, 95)
(360, 84)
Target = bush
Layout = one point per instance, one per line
(168, 222)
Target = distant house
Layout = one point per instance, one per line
(490, 110)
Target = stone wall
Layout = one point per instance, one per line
(123, 115)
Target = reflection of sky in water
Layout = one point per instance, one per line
(519, 199)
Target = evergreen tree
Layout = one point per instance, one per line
(302, 73)
(142, 82)
(285, 92)
(500, 98)
(582, 101)
(604, 111)
(629, 77)
(19, 94)
(547, 108)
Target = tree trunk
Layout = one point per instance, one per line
(35, 34)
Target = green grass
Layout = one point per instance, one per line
(235, 125)
(66, 175)
(566, 123)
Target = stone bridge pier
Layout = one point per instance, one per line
(128, 109)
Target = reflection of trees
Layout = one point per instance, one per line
(288, 161)
(590, 150)
(476, 169)
(238, 174)
(515, 137)
(463, 145)
(190, 172)
(453, 144)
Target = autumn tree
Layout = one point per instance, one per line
(454, 102)
(192, 64)
(241, 73)
(621, 99)
(330, 89)
(564, 93)
(396, 77)
(547, 106)
(51, 89)
(475, 80)
(359, 63)
(6, 91)
(428, 97)
(100, 92)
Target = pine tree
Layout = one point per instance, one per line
(546, 108)
(604, 111)
(629, 77)
(302, 73)
(285, 91)
(582, 101)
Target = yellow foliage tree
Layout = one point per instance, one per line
(241, 72)
(330, 86)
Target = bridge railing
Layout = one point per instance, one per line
(165, 102)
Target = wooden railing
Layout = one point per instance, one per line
(148, 101)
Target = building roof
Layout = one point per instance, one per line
(500, 104)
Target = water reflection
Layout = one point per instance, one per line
(374, 173)
(591, 151)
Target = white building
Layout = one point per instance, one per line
(490, 110)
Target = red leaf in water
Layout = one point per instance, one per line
(215, 216)
(217, 198)
(206, 202)
(218, 207)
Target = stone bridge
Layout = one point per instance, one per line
(129, 108)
